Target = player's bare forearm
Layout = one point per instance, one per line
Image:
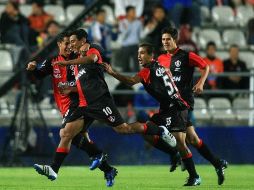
(123, 78)
(81, 60)
(73, 89)
(204, 73)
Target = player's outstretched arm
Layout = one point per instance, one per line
(82, 60)
(123, 78)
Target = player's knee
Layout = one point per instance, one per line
(193, 140)
(64, 134)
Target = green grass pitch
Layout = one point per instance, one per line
(145, 177)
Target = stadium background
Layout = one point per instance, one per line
(224, 118)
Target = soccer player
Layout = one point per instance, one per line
(95, 100)
(182, 65)
(66, 104)
(158, 82)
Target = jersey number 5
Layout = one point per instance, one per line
(168, 84)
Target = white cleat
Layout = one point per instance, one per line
(168, 137)
(46, 170)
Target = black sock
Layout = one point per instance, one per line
(190, 167)
(105, 167)
(164, 147)
(59, 157)
(89, 147)
(152, 129)
(207, 154)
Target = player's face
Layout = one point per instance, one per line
(64, 47)
(75, 43)
(143, 57)
(168, 42)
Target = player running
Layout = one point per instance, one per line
(158, 82)
(95, 100)
(182, 65)
(66, 104)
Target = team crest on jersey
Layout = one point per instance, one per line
(178, 63)
(160, 71)
(112, 119)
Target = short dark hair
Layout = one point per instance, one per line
(172, 31)
(149, 48)
(99, 11)
(61, 36)
(128, 8)
(39, 3)
(233, 46)
(52, 22)
(210, 43)
(80, 33)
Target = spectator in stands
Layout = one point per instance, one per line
(52, 29)
(152, 30)
(234, 64)
(39, 18)
(101, 32)
(185, 42)
(184, 12)
(120, 7)
(215, 64)
(14, 27)
(130, 30)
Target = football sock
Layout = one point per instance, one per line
(207, 154)
(88, 146)
(189, 164)
(105, 167)
(152, 129)
(59, 157)
(164, 147)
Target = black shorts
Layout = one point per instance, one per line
(103, 110)
(68, 117)
(189, 123)
(173, 119)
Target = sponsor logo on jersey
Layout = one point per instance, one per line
(160, 71)
(177, 78)
(112, 119)
(80, 73)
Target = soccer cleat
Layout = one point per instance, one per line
(221, 171)
(46, 170)
(175, 161)
(110, 176)
(191, 181)
(96, 161)
(168, 137)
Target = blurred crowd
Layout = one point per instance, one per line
(133, 21)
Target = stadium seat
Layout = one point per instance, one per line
(110, 17)
(72, 11)
(112, 82)
(248, 58)
(232, 36)
(220, 109)
(205, 14)
(222, 55)
(207, 35)
(201, 111)
(6, 61)
(4, 110)
(26, 10)
(243, 14)
(241, 107)
(223, 16)
(57, 11)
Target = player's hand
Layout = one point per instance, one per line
(60, 63)
(198, 88)
(31, 66)
(108, 68)
(84, 48)
(64, 90)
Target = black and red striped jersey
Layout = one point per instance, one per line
(60, 75)
(90, 80)
(158, 82)
(182, 65)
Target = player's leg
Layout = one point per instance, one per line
(186, 156)
(219, 164)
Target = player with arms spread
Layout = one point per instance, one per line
(62, 76)
(182, 65)
(158, 82)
